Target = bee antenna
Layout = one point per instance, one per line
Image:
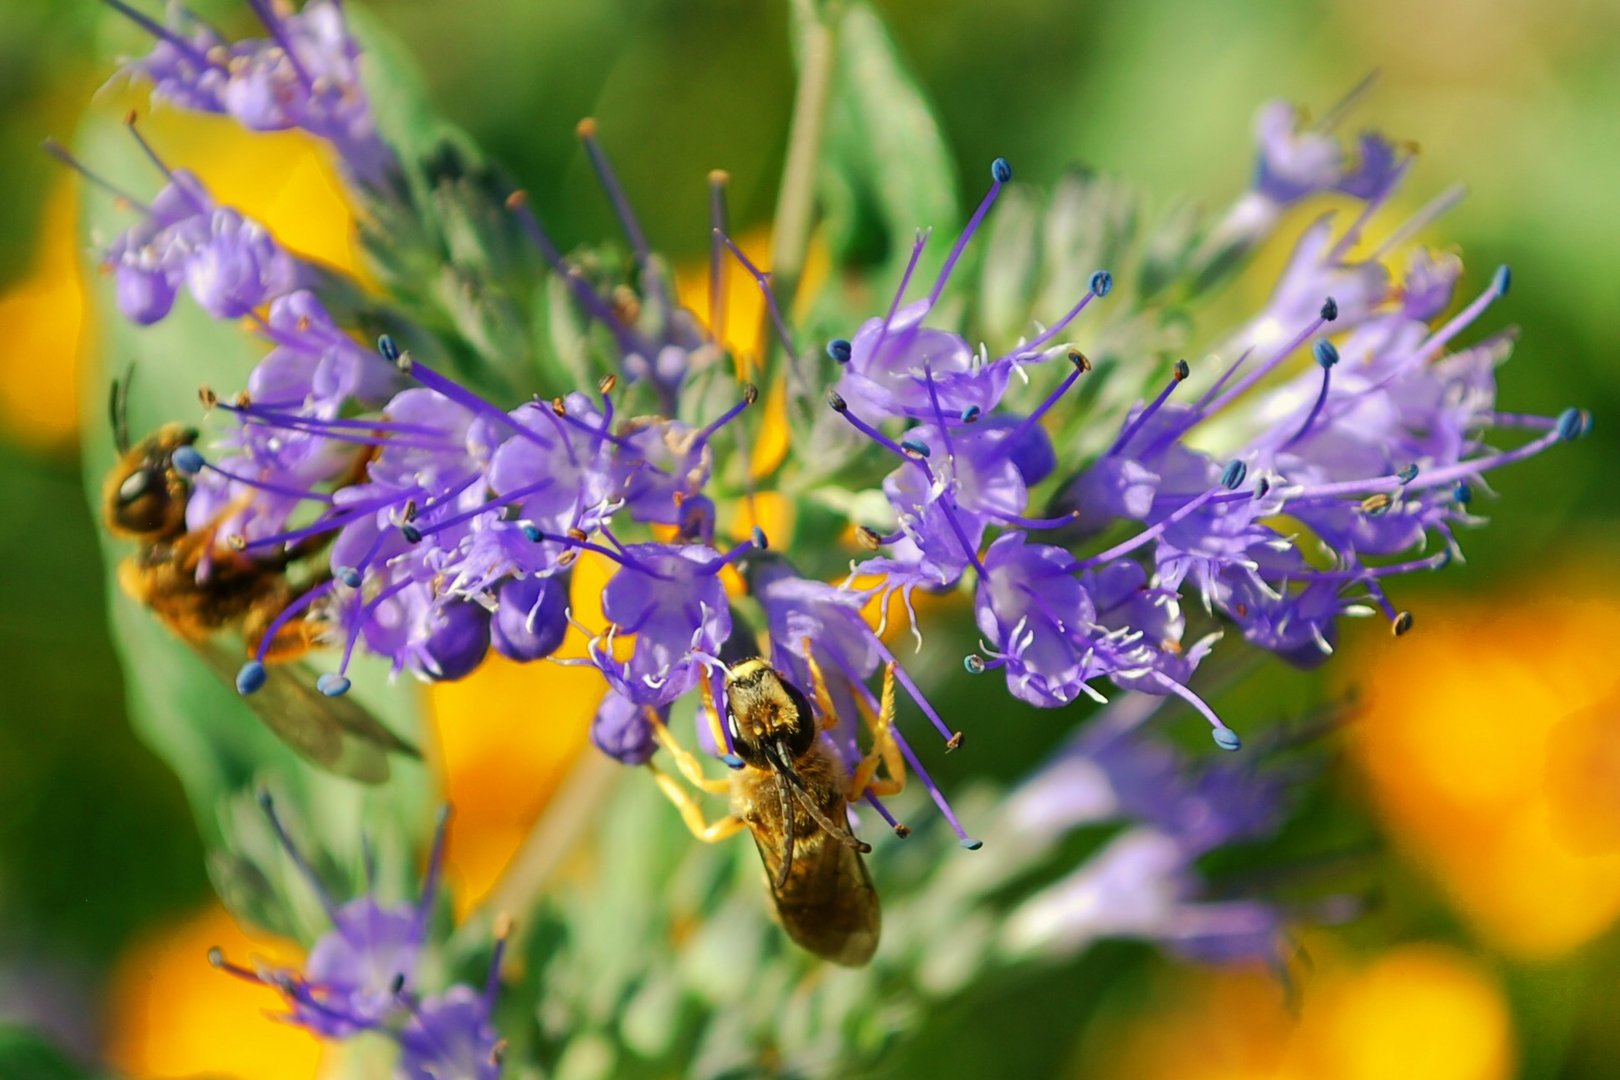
(788, 827)
(118, 409)
(841, 834)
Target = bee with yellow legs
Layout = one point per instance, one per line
(792, 793)
(199, 589)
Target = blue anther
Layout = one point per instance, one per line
(1330, 309)
(914, 446)
(411, 533)
(1502, 280)
(250, 678)
(1463, 492)
(188, 460)
(1573, 423)
(1102, 283)
(974, 663)
(332, 684)
(1180, 371)
(839, 350)
(349, 576)
(1000, 170)
(837, 402)
(532, 534)
(970, 414)
(1408, 474)
(1325, 352)
(971, 844)
(759, 538)
(1227, 739)
(386, 346)
(1233, 474)
(1261, 486)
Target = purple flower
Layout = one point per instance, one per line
(622, 731)
(305, 74)
(1297, 161)
(669, 597)
(361, 976)
(229, 264)
(357, 970)
(1036, 621)
(532, 618)
(891, 361)
(452, 1035)
(1143, 883)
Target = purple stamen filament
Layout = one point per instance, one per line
(302, 602)
(917, 246)
(1316, 409)
(962, 241)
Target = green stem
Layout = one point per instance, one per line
(795, 204)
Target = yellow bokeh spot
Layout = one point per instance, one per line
(743, 317)
(1489, 745)
(505, 737)
(174, 1015)
(285, 180)
(1418, 1011)
(43, 314)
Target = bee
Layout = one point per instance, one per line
(792, 793)
(199, 589)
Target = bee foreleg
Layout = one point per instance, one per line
(818, 686)
(711, 712)
(884, 750)
(692, 813)
(684, 759)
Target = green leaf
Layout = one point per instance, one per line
(440, 237)
(219, 750)
(25, 1053)
(887, 171)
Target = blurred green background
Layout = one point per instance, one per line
(1514, 97)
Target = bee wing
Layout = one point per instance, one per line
(827, 904)
(332, 733)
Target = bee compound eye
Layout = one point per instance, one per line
(135, 485)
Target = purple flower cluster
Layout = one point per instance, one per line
(1143, 882)
(304, 75)
(361, 976)
(450, 522)
(1375, 449)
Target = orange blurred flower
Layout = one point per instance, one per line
(1419, 1011)
(173, 1015)
(1491, 753)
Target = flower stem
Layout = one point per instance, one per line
(795, 203)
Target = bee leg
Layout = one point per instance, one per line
(190, 548)
(818, 687)
(684, 759)
(884, 749)
(292, 640)
(692, 813)
(717, 730)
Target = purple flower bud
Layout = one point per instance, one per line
(458, 644)
(621, 729)
(532, 618)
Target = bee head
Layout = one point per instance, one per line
(770, 719)
(145, 496)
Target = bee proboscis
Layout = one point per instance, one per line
(199, 589)
(792, 793)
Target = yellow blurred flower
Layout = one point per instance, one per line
(174, 1015)
(1418, 1011)
(1490, 751)
(43, 315)
(286, 180)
